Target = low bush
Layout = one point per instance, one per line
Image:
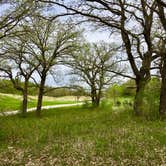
(151, 100)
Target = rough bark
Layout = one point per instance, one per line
(40, 95)
(145, 19)
(161, 5)
(98, 101)
(95, 103)
(162, 108)
(93, 97)
(25, 99)
(138, 102)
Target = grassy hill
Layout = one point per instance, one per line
(9, 102)
(82, 136)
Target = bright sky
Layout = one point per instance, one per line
(97, 36)
(90, 35)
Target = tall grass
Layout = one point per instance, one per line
(80, 136)
(151, 100)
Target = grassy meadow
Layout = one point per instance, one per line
(10, 102)
(82, 136)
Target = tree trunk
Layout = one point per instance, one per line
(162, 108)
(25, 99)
(98, 97)
(40, 95)
(94, 97)
(138, 102)
(95, 101)
(98, 101)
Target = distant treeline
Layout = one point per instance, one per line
(128, 89)
(7, 87)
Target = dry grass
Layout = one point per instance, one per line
(48, 98)
(64, 98)
(19, 97)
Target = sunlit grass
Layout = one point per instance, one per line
(9, 103)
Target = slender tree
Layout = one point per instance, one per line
(50, 40)
(18, 65)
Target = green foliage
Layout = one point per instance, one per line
(123, 95)
(87, 104)
(106, 104)
(151, 99)
(127, 89)
(115, 91)
(6, 86)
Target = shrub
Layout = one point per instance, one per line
(106, 104)
(151, 99)
(118, 103)
(86, 104)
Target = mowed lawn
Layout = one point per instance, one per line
(79, 136)
(9, 102)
